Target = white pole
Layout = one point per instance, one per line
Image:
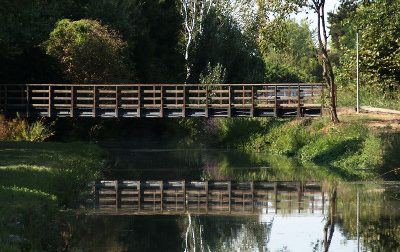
(358, 78)
(358, 221)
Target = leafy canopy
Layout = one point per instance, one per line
(88, 52)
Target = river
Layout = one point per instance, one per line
(337, 216)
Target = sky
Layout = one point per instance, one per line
(330, 6)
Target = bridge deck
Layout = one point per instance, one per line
(161, 100)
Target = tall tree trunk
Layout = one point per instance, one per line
(319, 8)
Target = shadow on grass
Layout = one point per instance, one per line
(36, 179)
(337, 151)
(391, 166)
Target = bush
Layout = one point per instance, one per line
(19, 129)
(4, 132)
(88, 52)
(237, 132)
(287, 139)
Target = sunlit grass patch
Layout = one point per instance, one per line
(36, 180)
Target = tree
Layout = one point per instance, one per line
(292, 58)
(193, 13)
(319, 7)
(88, 52)
(279, 9)
(153, 31)
(378, 25)
(222, 42)
(213, 75)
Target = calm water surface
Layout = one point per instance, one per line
(325, 220)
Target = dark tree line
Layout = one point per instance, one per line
(153, 33)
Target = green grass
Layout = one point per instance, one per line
(349, 150)
(368, 97)
(38, 179)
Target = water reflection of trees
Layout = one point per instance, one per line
(329, 227)
(228, 233)
(379, 226)
(256, 166)
(379, 215)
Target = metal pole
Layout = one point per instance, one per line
(358, 78)
(358, 221)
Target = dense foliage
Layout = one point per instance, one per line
(88, 52)
(144, 41)
(378, 25)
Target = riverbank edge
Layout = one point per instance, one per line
(38, 179)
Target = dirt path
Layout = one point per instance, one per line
(372, 119)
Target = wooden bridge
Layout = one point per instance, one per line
(161, 100)
(206, 197)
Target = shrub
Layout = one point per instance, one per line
(287, 139)
(20, 129)
(4, 132)
(88, 52)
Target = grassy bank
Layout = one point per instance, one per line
(352, 150)
(368, 97)
(38, 179)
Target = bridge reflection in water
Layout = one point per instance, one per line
(207, 197)
(161, 100)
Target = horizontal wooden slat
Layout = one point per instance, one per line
(62, 98)
(84, 91)
(62, 105)
(84, 98)
(129, 98)
(151, 91)
(197, 91)
(129, 91)
(38, 91)
(173, 98)
(106, 91)
(39, 98)
(107, 98)
(62, 91)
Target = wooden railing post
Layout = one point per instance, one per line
(206, 189)
(184, 194)
(161, 195)
(252, 195)
(229, 195)
(322, 98)
(94, 101)
(49, 102)
(139, 109)
(230, 101)
(206, 109)
(161, 101)
(27, 101)
(139, 196)
(117, 195)
(299, 114)
(116, 102)
(276, 102)
(184, 101)
(72, 110)
(252, 101)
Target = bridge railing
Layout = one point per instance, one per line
(161, 100)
